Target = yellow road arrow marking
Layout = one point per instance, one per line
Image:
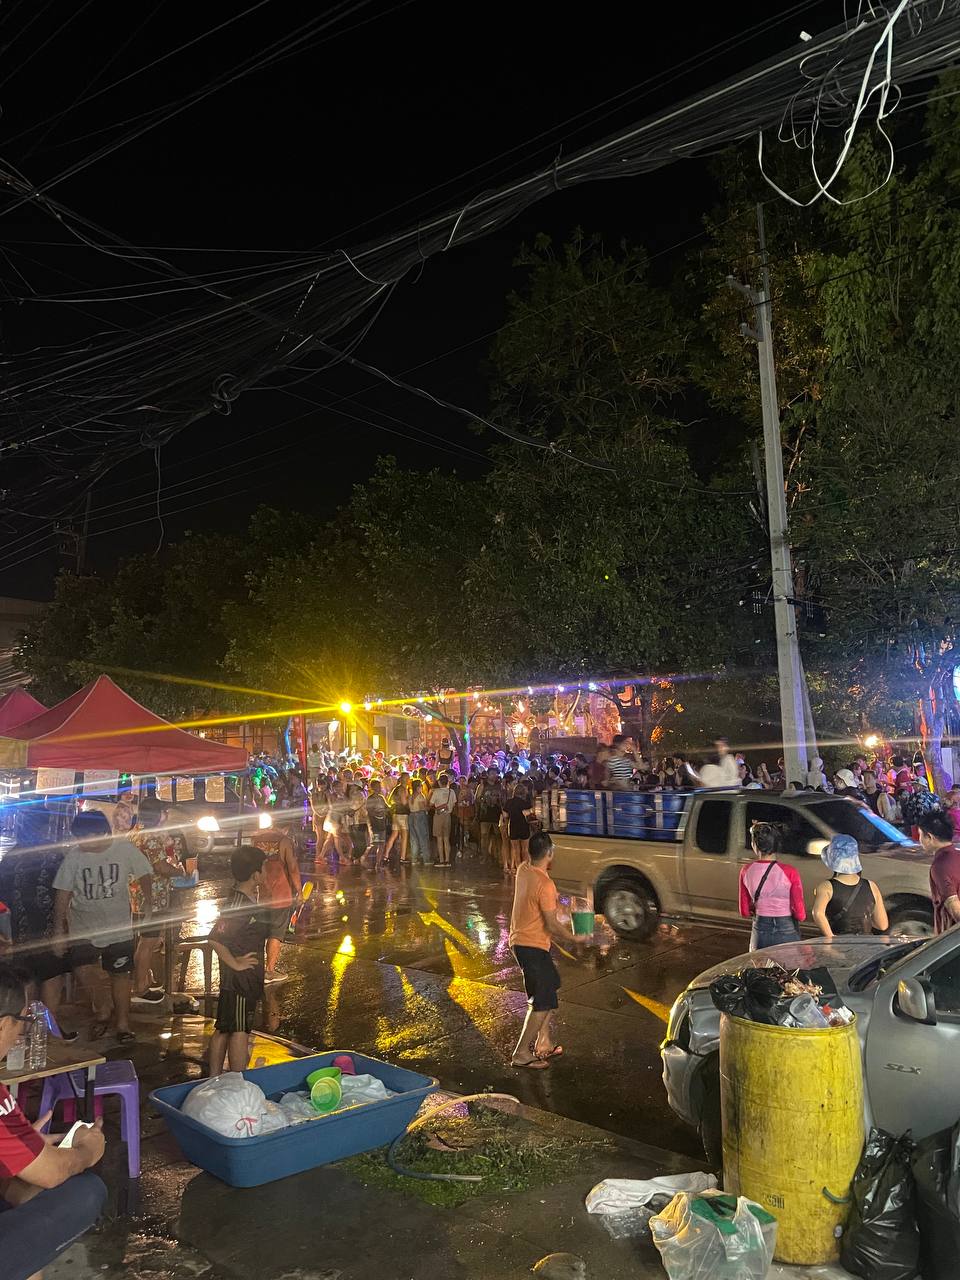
(661, 1011)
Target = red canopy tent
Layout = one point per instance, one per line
(101, 727)
(17, 706)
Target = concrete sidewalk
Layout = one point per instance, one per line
(324, 1225)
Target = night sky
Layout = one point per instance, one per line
(369, 127)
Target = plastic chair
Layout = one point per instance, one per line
(185, 949)
(117, 1077)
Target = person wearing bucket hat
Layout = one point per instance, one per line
(847, 903)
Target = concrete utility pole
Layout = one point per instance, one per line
(799, 741)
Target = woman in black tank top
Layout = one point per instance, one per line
(847, 903)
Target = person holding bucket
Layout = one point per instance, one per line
(771, 893)
(532, 922)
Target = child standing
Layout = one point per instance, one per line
(239, 938)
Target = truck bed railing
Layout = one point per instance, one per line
(624, 815)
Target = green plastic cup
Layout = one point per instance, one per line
(323, 1073)
(583, 923)
(325, 1095)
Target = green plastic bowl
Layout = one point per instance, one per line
(325, 1095)
(324, 1073)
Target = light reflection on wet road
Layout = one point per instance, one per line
(416, 968)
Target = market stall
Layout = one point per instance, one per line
(16, 706)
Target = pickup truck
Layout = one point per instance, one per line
(680, 853)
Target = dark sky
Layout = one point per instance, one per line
(385, 109)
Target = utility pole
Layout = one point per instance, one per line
(799, 742)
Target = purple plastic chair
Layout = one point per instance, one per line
(117, 1077)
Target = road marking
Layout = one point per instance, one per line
(661, 1011)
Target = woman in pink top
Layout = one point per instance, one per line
(770, 892)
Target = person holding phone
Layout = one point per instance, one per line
(48, 1196)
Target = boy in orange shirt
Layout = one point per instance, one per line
(533, 920)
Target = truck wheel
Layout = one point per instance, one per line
(913, 920)
(630, 908)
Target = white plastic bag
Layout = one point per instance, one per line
(228, 1104)
(618, 1195)
(714, 1237)
(359, 1089)
(273, 1118)
(297, 1107)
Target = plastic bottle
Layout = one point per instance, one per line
(37, 1037)
(807, 1012)
(16, 1058)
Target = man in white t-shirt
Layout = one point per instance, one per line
(93, 906)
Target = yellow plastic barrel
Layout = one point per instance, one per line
(792, 1109)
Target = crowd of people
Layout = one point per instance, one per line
(425, 808)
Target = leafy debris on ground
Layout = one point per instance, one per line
(508, 1153)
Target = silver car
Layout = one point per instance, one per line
(906, 995)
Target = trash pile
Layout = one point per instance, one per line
(701, 1233)
(781, 997)
(238, 1108)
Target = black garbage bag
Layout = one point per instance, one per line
(938, 1223)
(729, 995)
(763, 991)
(881, 1240)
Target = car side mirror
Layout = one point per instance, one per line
(815, 848)
(915, 1001)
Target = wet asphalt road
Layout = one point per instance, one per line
(414, 967)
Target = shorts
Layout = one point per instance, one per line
(280, 922)
(33, 1234)
(42, 965)
(235, 1013)
(540, 978)
(441, 825)
(115, 959)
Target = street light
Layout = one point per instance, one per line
(346, 707)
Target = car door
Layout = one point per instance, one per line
(911, 1070)
(797, 834)
(710, 866)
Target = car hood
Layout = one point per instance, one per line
(841, 956)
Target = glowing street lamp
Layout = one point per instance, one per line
(346, 707)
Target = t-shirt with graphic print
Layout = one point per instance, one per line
(100, 906)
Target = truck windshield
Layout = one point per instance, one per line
(883, 964)
(848, 819)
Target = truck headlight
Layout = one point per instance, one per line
(208, 823)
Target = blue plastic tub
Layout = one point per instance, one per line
(250, 1162)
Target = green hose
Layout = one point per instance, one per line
(435, 1111)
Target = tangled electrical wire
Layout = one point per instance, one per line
(69, 414)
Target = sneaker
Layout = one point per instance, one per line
(153, 995)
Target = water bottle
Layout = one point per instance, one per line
(37, 1042)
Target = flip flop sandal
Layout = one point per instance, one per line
(98, 1030)
(125, 1037)
(535, 1064)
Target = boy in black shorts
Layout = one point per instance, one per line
(239, 937)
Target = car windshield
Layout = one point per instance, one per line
(879, 966)
(870, 831)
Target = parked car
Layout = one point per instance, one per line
(203, 823)
(691, 867)
(905, 993)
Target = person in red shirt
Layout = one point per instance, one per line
(48, 1197)
(936, 838)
